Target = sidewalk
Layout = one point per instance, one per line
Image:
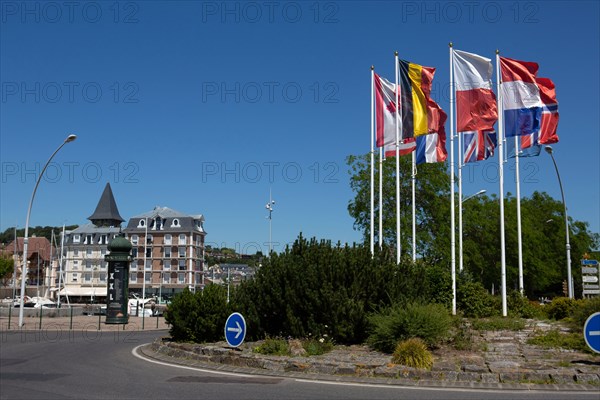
(82, 322)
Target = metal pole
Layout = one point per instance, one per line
(69, 138)
(519, 229)
(567, 244)
(372, 154)
(452, 214)
(501, 190)
(269, 207)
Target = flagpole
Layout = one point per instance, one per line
(452, 228)
(519, 232)
(414, 215)
(501, 179)
(398, 128)
(381, 197)
(460, 203)
(372, 204)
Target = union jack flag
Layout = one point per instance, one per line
(478, 145)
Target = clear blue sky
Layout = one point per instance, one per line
(204, 106)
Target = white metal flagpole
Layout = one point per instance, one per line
(519, 232)
(398, 130)
(460, 203)
(381, 197)
(452, 229)
(372, 204)
(501, 179)
(414, 213)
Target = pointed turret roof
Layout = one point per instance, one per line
(107, 213)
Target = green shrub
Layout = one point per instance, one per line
(560, 308)
(520, 306)
(430, 322)
(198, 317)
(273, 346)
(413, 353)
(583, 309)
(498, 324)
(474, 301)
(316, 347)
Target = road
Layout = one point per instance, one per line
(101, 365)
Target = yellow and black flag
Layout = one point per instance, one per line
(420, 114)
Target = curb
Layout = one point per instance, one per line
(222, 359)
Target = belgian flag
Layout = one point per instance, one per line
(420, 114)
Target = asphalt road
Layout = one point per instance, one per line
(101, 365)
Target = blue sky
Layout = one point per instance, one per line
(204, 107)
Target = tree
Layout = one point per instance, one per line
(432, 207)
(6, 270)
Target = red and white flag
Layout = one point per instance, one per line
(476, 107)
(385, 111)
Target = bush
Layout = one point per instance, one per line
(498, 324)
(520, 306)
(275, 347)
(583, 309)
(474, 300)
(413, 353)
(560, 308)
(430, 322)
(198, 317)
(316, 347)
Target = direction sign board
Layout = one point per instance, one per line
(591, 291)
(235, 329)
(589, 270)
(589, 279)
(589, 262)
(591, 332)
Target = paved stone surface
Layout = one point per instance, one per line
(504, 360)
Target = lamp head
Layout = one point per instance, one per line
(70, 138)
(548, 149)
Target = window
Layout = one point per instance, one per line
(103, 239)
(182, 238)
(167, 278)
(134, 239)
(103, 277)
(102, 252)
(167, 266)
(149, 252)
(141, 223)
(198, 279)
(133, 277)
(175, 222)
(181, 251)
(182, 265)
(158, 224)
(88, 252)
(74, 277)
(87, 278)
(76, 238)
(198, 265)
(148, 264)
(149, 239)
(134, 252)
(167, 252)
(88, 239)
(148, 277)
(181, 278)
(88, 264)
(75, 253)
(168, 239)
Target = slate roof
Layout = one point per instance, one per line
(107, 213)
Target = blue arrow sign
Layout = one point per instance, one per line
(235, 329)
(591, 332)
(589, 262)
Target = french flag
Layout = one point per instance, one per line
(431, 148)
(521, 97)
(476, 108)
(478, 145)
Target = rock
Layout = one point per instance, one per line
(296, 349)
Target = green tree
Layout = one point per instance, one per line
(6, 270)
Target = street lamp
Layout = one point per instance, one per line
(69, 138)
(269, 207)
(460, 235)
(567, 244)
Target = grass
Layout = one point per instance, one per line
(498, 324)
(274, 347)
(555, 339)
(316, 347)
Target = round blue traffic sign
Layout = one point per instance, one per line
(591, 332)
(235, 329)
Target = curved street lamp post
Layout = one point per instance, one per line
(567, 244)
(69, 139)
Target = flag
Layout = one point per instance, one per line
(385, 111)
(420, 114)
(478, 145)
(549, 112)
(407, 147)
(528, 146)
(476, 106)
(431, 148)
(521, 98)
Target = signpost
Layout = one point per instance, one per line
(591, 332)
(235, 329)
(590, 277)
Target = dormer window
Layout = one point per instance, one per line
(141, 223)
(76, 238)
(158, 224)
(175, 223)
